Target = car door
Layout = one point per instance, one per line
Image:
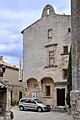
(31, 104)
(25, 103)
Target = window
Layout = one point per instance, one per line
(51, 58)
(51, 61)
(65, 50)
(23, 100)
(20, 80)
(69, 30)
(47, 11)
(28, 101)
(49, 33)
(51, 53)
(47, 90)
(33, 102)
(64, 73)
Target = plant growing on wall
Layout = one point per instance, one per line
(69, 79)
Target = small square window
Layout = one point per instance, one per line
(64, 73)
(69, 29)
(51, 53)
(47, 90)
(65, 50)
(49, 33)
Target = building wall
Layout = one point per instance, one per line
(11, 77)
(36, 47)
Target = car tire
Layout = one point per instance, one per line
(48, 110)
(21, 108)
(39, 109)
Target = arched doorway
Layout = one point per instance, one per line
(32, 85)
(48, 90)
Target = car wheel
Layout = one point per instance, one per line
(21, 108)
(48, 110)
(39, 109)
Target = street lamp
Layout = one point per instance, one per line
(2, 70)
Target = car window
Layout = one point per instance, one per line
(23, 100)
(28, 101)
(38, 101)
(32, 101)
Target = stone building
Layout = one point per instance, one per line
(46, 46)
(11, 79)
(75, 39)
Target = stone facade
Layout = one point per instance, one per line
(46, 44)
(5, 101)
(75, 37)
(11, 78)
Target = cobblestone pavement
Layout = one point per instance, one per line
(31, 115)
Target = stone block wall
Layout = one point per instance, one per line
(37, 44)
(35, 52)
(75, 103)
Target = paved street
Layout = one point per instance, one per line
(29, 115)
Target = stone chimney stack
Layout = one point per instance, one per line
(1, 58)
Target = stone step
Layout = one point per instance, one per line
(2, 118)
(59, 109)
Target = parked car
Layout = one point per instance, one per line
(33, 104)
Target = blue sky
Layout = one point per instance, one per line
(15, 15)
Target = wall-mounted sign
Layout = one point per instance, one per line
(34, 95)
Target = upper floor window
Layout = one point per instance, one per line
(64, 72)
(51, 55)
(69, 29)
(51, 58)
(47, 11)
(65, 50)
(49, 33)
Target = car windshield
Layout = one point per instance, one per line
(38, 101)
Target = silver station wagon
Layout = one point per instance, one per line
(33, 104)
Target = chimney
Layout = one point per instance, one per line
(1, 58)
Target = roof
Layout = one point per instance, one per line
(8, 65)
(2, 85)
(30, 25)
(44, 13)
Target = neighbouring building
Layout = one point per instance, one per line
(75, 39)
(5, 101)
(46, 46)
(12, 78)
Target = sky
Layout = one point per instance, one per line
(15, 15)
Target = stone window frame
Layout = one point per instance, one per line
(44, 89)
(65, 50)
(47, 90)
(50, 35)
(64, 73)
(50, 47)
(51, 58)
